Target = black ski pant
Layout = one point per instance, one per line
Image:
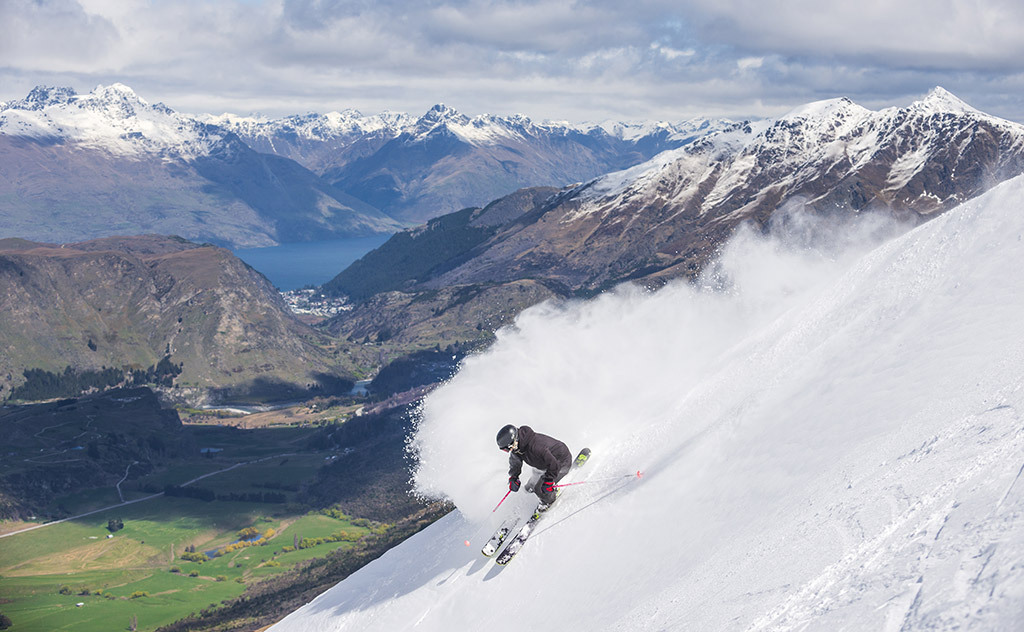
(548, 498)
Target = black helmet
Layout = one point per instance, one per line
(507, 436)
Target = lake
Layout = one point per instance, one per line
(292, 266)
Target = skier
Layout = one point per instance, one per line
(539, 451)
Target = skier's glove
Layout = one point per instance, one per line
(513, 483)
(548, 486)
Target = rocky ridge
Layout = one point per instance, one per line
(128, 302)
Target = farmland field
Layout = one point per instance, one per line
(46, 572)
(81, 575)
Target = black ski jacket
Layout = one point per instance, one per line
(539, 451)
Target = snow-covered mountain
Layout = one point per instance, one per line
(443, 161)
(109, 162)
(110, 118)
(666, 217)
(831, 438)
(835, 136)
(75, 166)
(316, 141)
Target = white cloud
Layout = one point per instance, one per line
(749, 63)
(566, 59)
(976, 34)
(672, 53)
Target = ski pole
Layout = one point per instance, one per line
(501, 501)
(638, 474)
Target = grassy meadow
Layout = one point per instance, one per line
(77, 575)
(138, 571)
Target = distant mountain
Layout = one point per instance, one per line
(416, 169)
(317, 141)
(74, 167)
(130, 302)
(665, 218)
(425, 252)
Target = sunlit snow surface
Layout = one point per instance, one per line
(831, 439)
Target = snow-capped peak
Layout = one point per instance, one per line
(831, 136)
(940, 100)
(442, 114)
(826, 109)
(42, 96)
(344, 124)
(110, 118)
(113, 92)
(484, 129)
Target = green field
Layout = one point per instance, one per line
(46, 573)
(198, 487)
(104, 573)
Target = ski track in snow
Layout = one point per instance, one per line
(828, 444)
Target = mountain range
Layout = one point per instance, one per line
(667, 217)
(74, 167)
(419, 168)
(108, 163)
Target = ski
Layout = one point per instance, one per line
(581, 458)
(516, 544)
(499, 536)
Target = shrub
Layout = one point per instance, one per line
(195, 557)
(193, 574)
(334, 513)
(65, 590)
(137, 594)
(222, 578)
(248, 533)
(175, 569)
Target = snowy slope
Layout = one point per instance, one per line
(832, 441)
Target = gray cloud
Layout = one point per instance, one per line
(569, 59)
(54, 34)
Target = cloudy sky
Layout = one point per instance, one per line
(549, 59)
